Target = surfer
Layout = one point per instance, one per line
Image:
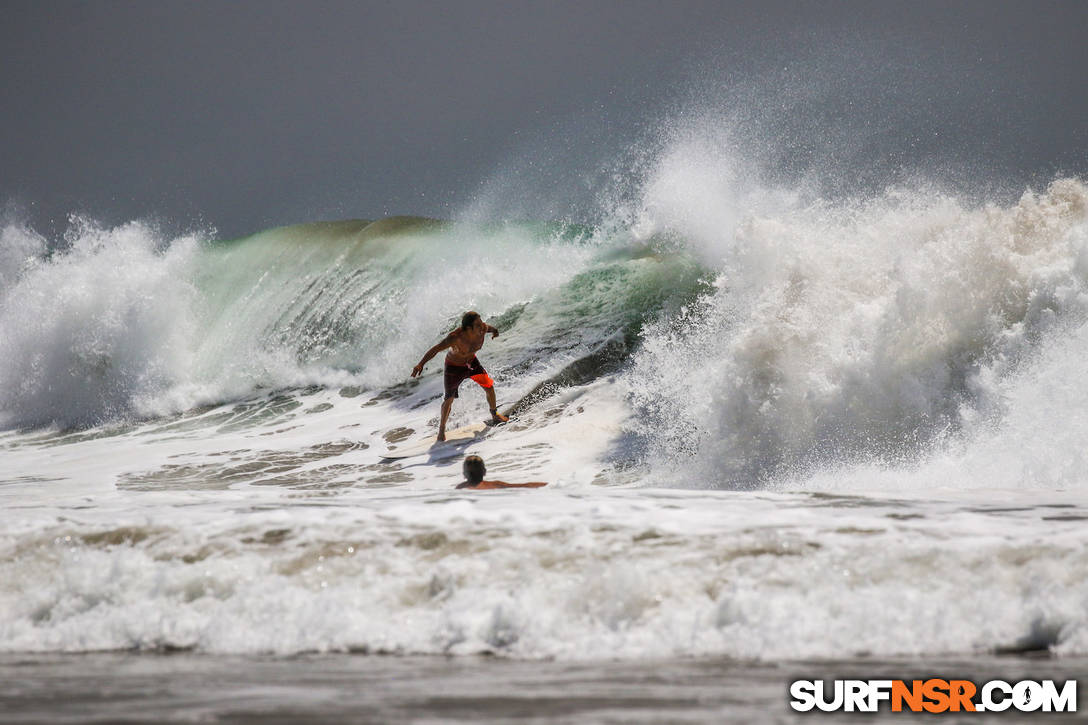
(474, 471)
(461, 364)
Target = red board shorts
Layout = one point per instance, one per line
(457, 374)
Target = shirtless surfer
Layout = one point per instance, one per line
(461, 364)
(475, 470)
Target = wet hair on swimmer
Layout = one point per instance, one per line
(469, 319)
(474, 469)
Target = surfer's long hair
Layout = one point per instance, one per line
(469, 319)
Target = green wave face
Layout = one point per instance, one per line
(368, 298)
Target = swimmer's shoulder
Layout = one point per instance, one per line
(492, 485)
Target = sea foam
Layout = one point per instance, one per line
(854, 331)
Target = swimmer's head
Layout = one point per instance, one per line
(474, 469)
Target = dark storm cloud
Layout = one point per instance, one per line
(250, 114)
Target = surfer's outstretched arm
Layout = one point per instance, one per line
(418, 369)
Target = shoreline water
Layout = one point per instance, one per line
(185, 687)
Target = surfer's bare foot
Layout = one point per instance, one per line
(441, 436)
(497, 417)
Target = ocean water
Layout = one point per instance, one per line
(129, 687)
(776, 428)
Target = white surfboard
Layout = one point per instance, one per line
(430, 444)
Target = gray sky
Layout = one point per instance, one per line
(244, 115)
